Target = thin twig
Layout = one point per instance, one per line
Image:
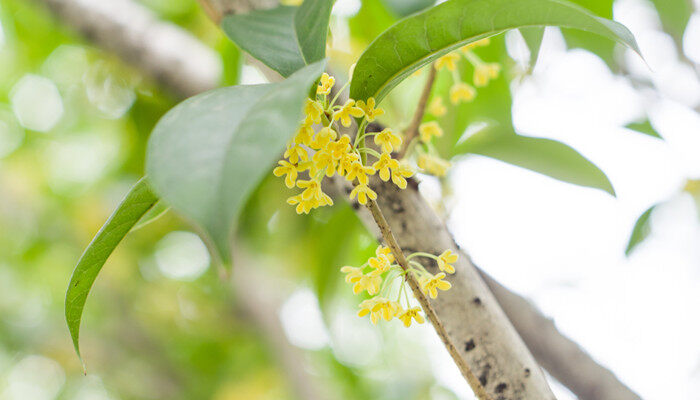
(390, 240)
(412, 130)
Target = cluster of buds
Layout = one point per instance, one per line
(319, 149)
(427, 158)
(379, 277)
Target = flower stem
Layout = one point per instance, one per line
(412, 130)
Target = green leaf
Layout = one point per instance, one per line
(641, 230)
(533, 38)
(644, 127)
(546, 156)
(373, 18)
(311, 27)
(403, 8)
(674, 15)
(137, 202)
(597, 45)
(158, 210)
(420, 39)
(283, 38)
(208, 153)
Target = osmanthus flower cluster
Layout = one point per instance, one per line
(385, 281)
(318, 150)
(427, 158)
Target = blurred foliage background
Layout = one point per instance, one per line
(161, 323)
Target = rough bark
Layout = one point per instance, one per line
(127, 30)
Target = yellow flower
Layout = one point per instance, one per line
(304, 135)
(291, 2)
(288, 169)
(485, 72)
(448, 61)
(296, 154)
(368, 282)
(346, 162)
(313, 111)
(428, 130)
(359, 171)
(399, 175)
(346, 111)
(478, 43)
(412, 313)
(431, 285)
(340, 147)
(303, 206)
(363, 192)
(380, 264)
(384, 251)
(433, 165)
(692, 186)
(326, 84)
(437, 108)
(323, 159)
(370, 112)
(366, 308)
(323, 138)
(461, 92)
(384, 166)
(388, 140)
(385, 307)
(312, 189)
(445, 261)
(353, 274)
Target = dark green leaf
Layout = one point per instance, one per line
(283, 38)
(136, 203)
(533, 38)
(641, 230)
(546, 156)
(644, 127)
(207, 154)
(418, 40)
(403, 8)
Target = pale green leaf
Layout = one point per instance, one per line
(283, 38)
(546, 156)
(420, 39)
(674, 15)
(641, 230)
(136, 203)
(644, 127)
(533, 38)
(207, 154)
(158, 210)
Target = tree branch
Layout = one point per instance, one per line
(390, 240)
(170, 55)
(572, 367)
(412, 130)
